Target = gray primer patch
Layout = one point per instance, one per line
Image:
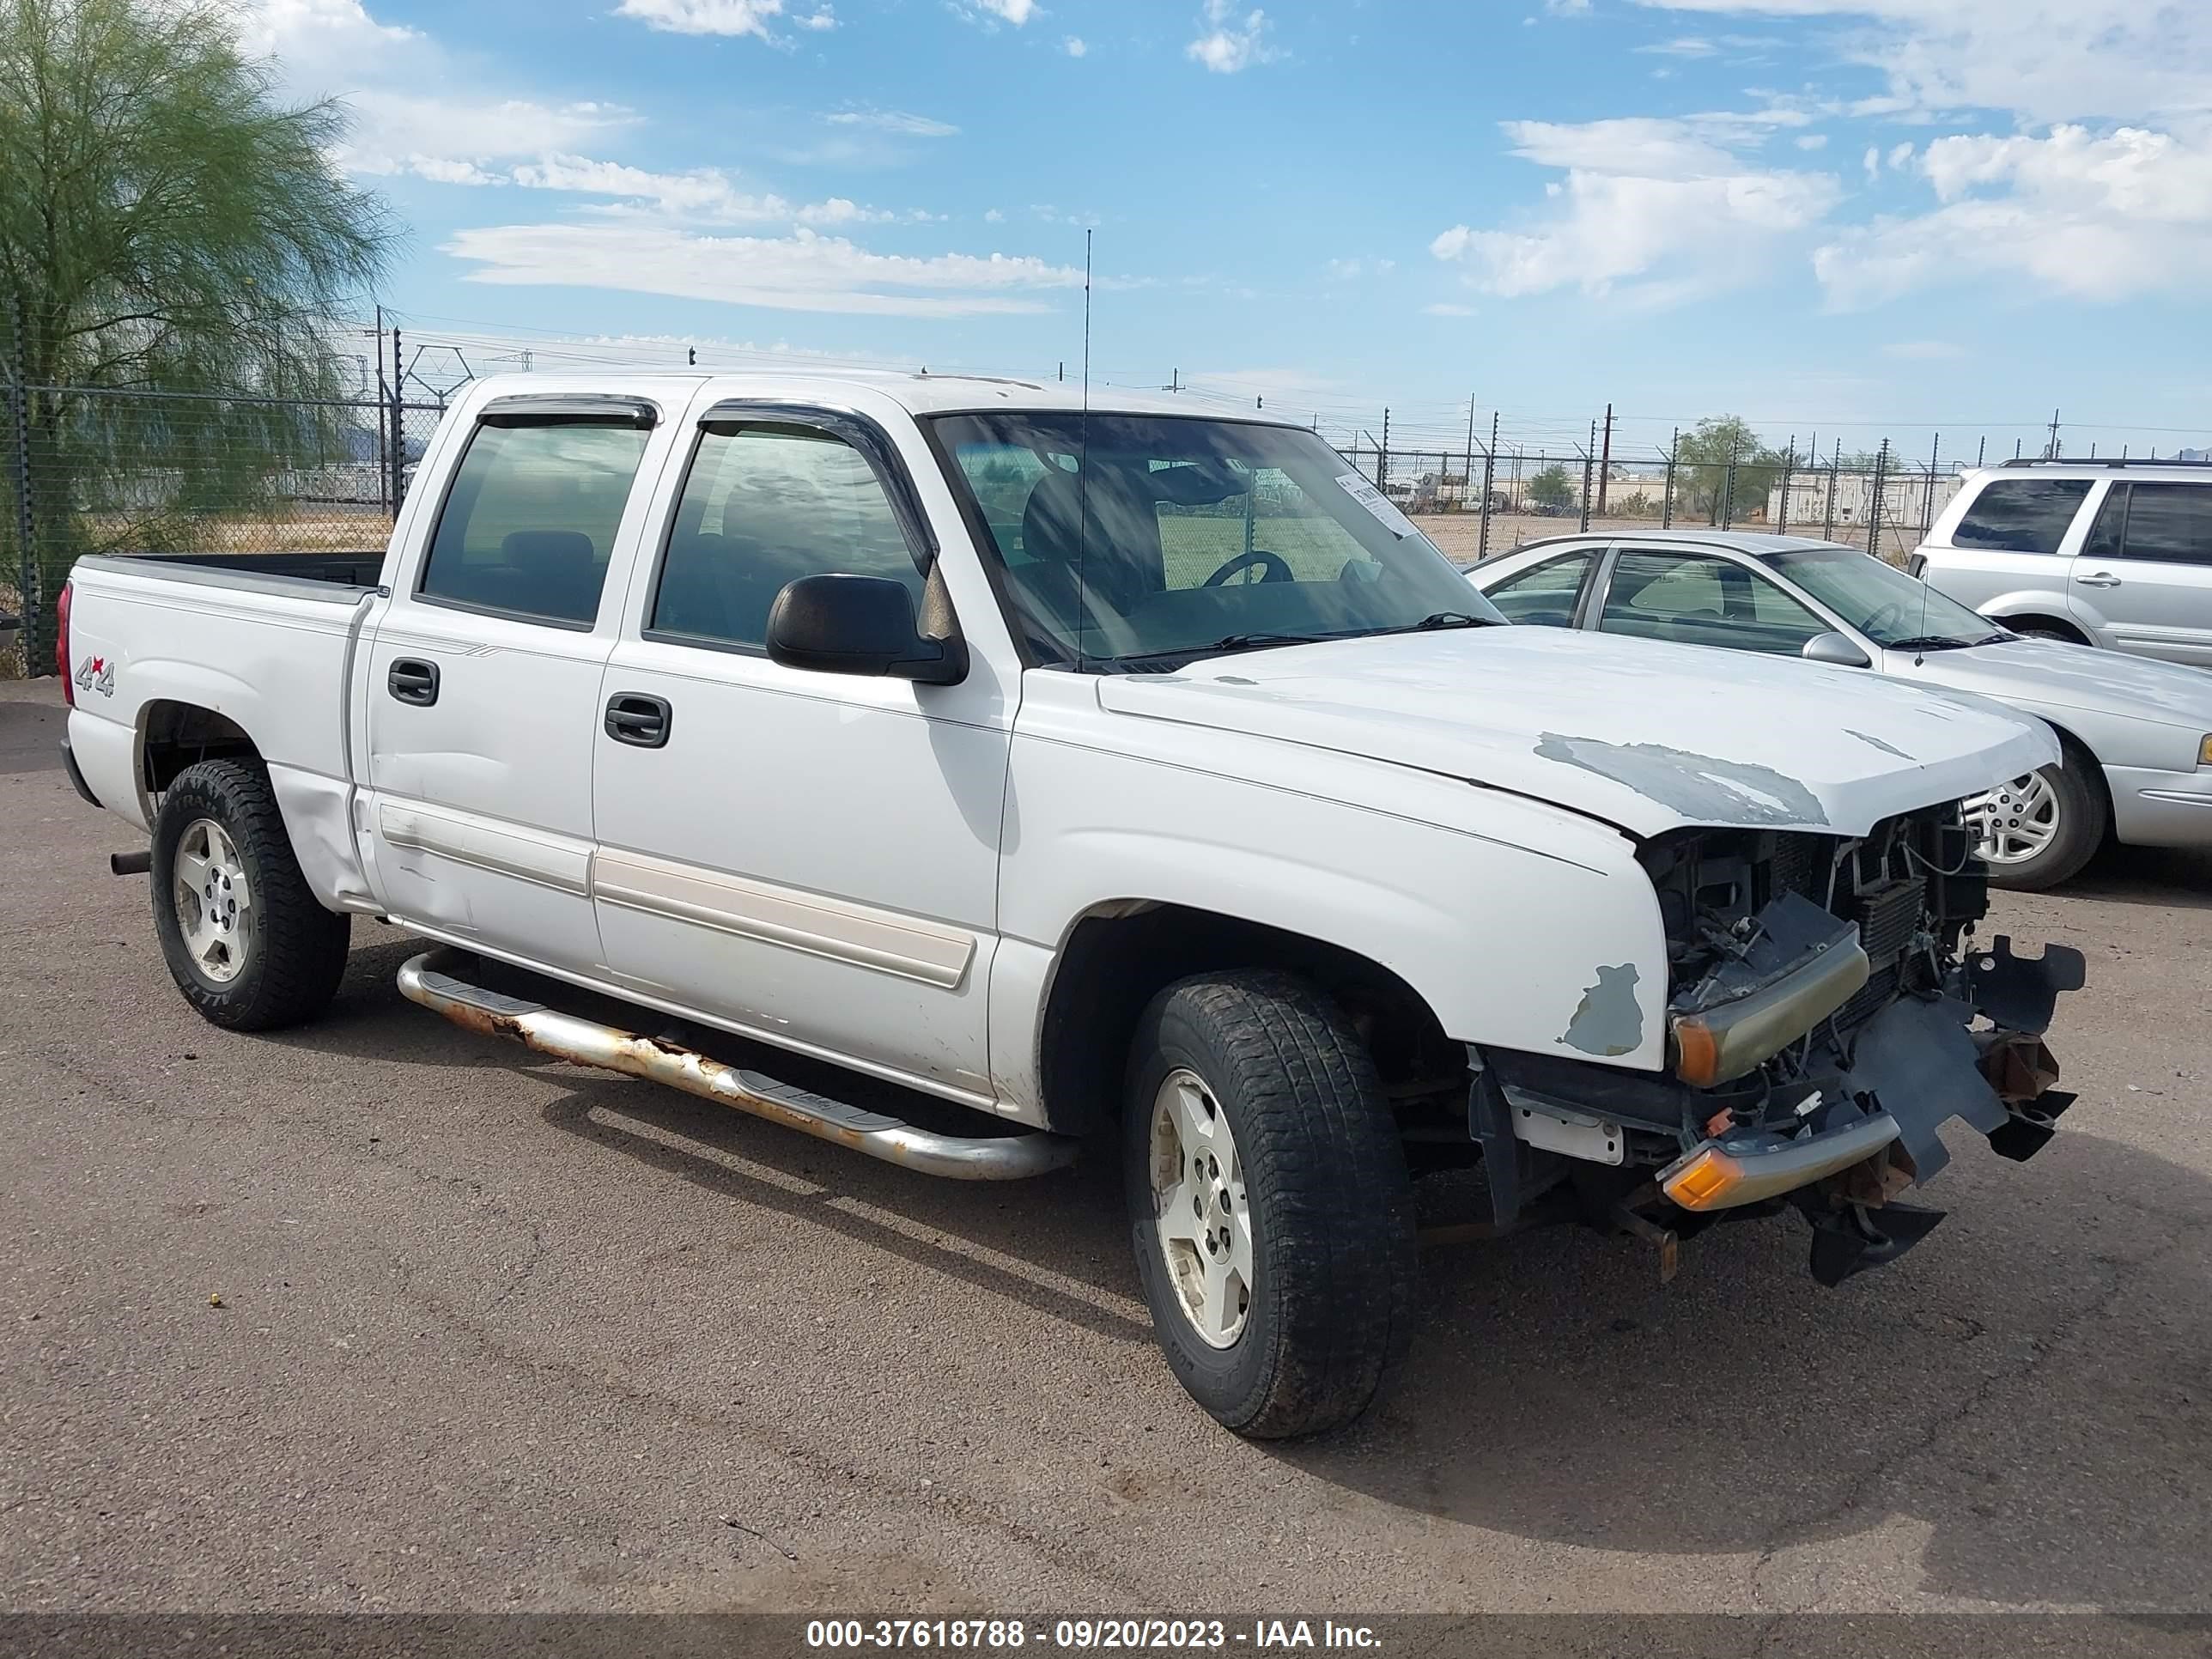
(1607, 1021)
(1885, 748)
(1698, 787)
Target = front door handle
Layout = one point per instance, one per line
(414, 682)
(2099, 579)
(635, 719)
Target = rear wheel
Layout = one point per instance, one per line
(2038, 830)
(1268, 1203)
(245, 937)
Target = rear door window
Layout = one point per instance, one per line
(529, 524)
(2021, 515)
(1545, 594)
(2169, 522)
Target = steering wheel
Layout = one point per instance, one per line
(1277, 568)
(1879, 623)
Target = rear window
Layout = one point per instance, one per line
(2021, 515)
(529, 522)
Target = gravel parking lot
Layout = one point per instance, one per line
(496, 1334)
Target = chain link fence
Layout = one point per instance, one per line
(86, 470)
(1474, 503)
(103, 469)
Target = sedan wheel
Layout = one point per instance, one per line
(2016, 822)
(2038, 830)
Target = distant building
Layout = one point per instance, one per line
(1904, 499)
(2194, 455)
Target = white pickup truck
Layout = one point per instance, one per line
(1077, 772)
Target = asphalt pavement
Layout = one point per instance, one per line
(383, 1315)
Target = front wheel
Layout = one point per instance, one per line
(244, 937)
(1268, 1202)
(2038, 830)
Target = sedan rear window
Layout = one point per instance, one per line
(2021, 515)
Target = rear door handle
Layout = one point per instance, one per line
(413, 682)
(635, 719)
(2099, 579)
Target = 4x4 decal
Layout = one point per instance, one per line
(96, 674)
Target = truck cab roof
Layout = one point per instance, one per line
(918, 392)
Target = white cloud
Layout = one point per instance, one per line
(804, 271)
(992, 13)
(412, 111)
(1872, 162)
(1230, 44)
(2042, 60)
(992, 216)
(1567, 8)
(2093, 216)
(1674, 207)
(893, 120)
(1812, 141)
(1074, 46)
(1687, 45)
(730, 17)
(1446, 308)
(704, 195)
(824, 19)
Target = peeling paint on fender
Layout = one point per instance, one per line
(1701, 787)
(1607, 1021)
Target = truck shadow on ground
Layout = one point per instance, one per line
(2024, 1395)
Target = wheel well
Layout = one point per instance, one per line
(2055, 624)
(175, 735)
(1119, 957)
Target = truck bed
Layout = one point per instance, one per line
(355, 569)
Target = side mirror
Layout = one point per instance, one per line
(1835, 649)
(859, 625)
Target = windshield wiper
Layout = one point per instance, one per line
(1437, 619)
(1228, 643)
(1939, 643)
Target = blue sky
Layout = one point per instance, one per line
(1855, 216)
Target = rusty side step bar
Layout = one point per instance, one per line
(427, 979)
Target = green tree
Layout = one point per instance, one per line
(1705, 458)
(168, 225)
(1551, 487)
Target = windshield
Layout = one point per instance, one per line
(1883, 603)
(1145, 540)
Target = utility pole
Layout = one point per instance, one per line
(2052, 453)
(1788, 467)
(1605, 461)
(1383, 455)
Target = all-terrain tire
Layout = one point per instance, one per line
(1325, 1191)
(296, 953)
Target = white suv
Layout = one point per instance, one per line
(2110, 553)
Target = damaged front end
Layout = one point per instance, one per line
(1828, 1012)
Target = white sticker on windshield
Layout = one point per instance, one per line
(1384, 509)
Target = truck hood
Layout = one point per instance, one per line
(1646, 735)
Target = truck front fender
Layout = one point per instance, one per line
(1507, 946)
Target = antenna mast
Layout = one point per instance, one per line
(1082, 462)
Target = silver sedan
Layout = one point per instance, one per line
(2137, 733)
